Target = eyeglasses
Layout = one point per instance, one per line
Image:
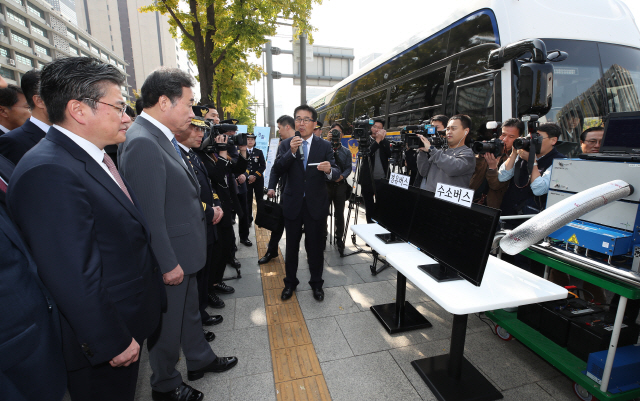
(593, 141)
(121, 110)
(304, 120)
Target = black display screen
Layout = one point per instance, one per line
(456, 236)
(622, 133)
(394, 208)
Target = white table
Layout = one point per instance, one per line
(368, 232)
(451, 376)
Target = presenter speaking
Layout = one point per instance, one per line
(306, 162)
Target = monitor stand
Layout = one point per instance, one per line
(389, 238)
(440, 273)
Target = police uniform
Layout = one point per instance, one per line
(255, 166)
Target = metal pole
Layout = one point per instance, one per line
(271, 107)
(264, 97)
(303, 68)
(613, 345)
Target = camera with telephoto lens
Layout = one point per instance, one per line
(238, 139)
(494, 146)
(362, 131)
(535, 139)
(335, 140)
(209, 144)
(437, 141)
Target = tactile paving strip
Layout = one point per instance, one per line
(296, 368)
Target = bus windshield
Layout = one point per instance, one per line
(596, 79)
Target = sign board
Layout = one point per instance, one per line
(271, 157)
(461, 196)
(329, 66)
(296, 49)
(262, 138)
(399, 180)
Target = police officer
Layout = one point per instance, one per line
(255, 178)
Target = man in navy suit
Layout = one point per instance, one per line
(86, 231)
(31, 367)
(15, 143)
(307, 162)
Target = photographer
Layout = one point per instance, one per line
(453, 166)
(377, 165)
(439, 121)
(339, 188)
(488, 189)
(528, 194)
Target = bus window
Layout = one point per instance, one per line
(423, 91)
(477, 100)
(399, 120)
(473, 63)
(475, 30)
(372, 105)
(621, 79)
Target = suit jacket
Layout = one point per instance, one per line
(218, 170)
(169, 197)
(91, 246)
(385, 154)
(256, 165)
(14, 144)
(309, 183)
(208, 195)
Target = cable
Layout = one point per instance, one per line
(485, 321)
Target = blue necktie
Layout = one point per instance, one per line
(175, 145)
(304, 147)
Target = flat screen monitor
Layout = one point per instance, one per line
(394, 209)
(622, 133)
(457, 237)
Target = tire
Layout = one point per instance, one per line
(582, 393)
(503, 334)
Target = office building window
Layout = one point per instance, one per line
(95, 50)
(41, 49)
(71, 34)
(17, 18)
(7, 73)
(23, 40)
(85, 54)
(35, 10)
(83, 42)
(73, 50)
(4, 51)
(39, 30)
(24, 59)
(19, 2)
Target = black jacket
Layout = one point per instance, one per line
(385, 153)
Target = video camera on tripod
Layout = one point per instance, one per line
(362, 131)
(212, 131)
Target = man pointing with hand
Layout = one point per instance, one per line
(306, 162)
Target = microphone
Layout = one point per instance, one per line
(300, 149)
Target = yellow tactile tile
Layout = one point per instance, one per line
(273, 282)
(308, 389)
(288, 335)
(285, 313)
(295, 363)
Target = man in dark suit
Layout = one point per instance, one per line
(14, 144)
(150, 159)
(305, 200)
(286, 128)
(14, 109)
(32, 366)
(375, 165)
(87, 234)
(254, 174)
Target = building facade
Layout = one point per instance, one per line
(34, 33)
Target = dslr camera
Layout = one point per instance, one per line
(535, 141)
(494, 146)
(209, 144)
(335, 139)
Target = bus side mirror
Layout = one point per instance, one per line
(535, 88)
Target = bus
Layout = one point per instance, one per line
(444, 69)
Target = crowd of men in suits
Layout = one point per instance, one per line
(106, 248)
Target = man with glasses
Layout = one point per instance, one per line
(85, 228)
(306, 162)
(591, 139)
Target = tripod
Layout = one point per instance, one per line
(354, 205)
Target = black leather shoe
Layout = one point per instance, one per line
(287, 293)
(213, 320)
(267, 257)
(235, 263)
(184, 392)
(246, 242)
(318, 294)
(220, 364)
(222, 288)
(209, 335)
(215, 301)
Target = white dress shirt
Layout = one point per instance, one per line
(309, 141)
(40, 124)
(4, 129)
(96, 153)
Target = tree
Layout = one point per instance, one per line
(218, 36)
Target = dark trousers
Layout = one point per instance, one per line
(243, 222)
(369, 202)
(203, 282)
(338, 195)
(103, 382)
(276, 236)
(256, 188)
(222, 253)
(313, 242)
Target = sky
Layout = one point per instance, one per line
(374, 26)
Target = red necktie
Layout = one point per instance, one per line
(112, 169)
(3, 186)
